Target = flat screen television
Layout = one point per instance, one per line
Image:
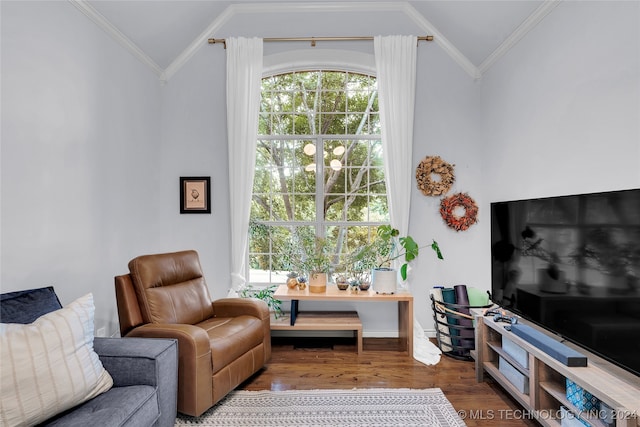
(571, 264)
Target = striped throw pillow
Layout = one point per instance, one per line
(49, 366)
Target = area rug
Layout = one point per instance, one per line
(336, 408)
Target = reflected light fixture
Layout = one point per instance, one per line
(309, 149)
(339, 150)
(335, 164)
(311, 167)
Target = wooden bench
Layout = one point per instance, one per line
(323, 321)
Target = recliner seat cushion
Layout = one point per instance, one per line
(231, 337)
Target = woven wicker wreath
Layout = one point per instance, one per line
(434, 165)
(448, 207)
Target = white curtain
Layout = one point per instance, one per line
(396, 74)
(244, 75)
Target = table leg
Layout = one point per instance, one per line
(405, 325)
(294, 311)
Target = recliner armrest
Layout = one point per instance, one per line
(137, 361)
(233, 307)
(195, 369)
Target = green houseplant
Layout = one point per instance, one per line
(308, 254)
(389, 246)
(266, 295)
(386, 247)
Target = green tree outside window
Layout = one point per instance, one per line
(319, 165)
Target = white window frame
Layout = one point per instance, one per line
(301, 61)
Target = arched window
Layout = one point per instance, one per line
(318, 166)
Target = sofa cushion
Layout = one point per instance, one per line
(26, 306)
(49, 366)
(135, 405)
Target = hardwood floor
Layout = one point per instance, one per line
(321, 367)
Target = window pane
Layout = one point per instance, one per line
(335, 208)
(378, 209)
(304, 208)
(260, 207)
(287, 195)
(359, 236)
(376, 181)
(304, 181)
(263, 267)
(337, 237)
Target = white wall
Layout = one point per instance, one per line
(561, 111)
(194, 143)
(80, 136)
(446, 124)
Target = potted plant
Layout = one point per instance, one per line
(341, 275)
(266, 295)
(386, 247)
(309, 255)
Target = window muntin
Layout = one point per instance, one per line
(315, 124)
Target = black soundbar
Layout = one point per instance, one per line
(553, 348)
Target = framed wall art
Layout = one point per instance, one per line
(195, 194)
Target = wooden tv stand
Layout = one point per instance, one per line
(546, 377)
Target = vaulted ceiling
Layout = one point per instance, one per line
(164, 34)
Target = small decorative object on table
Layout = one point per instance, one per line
(343, 286)
(292, 280)
(341, 281)
(364, 286)
(361, 280)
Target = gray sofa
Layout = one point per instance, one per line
(144, 371)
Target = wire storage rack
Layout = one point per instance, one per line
(455, 329)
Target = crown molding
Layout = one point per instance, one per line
(116, 34)
(523, 29)
(198, 43)
(442, 41)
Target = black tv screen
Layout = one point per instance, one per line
(572, 265)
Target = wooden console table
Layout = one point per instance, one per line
(344, 320)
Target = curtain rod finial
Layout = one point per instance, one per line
(214, 41)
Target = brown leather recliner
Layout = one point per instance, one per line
(220, 343)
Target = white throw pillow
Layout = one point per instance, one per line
(49, 366)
